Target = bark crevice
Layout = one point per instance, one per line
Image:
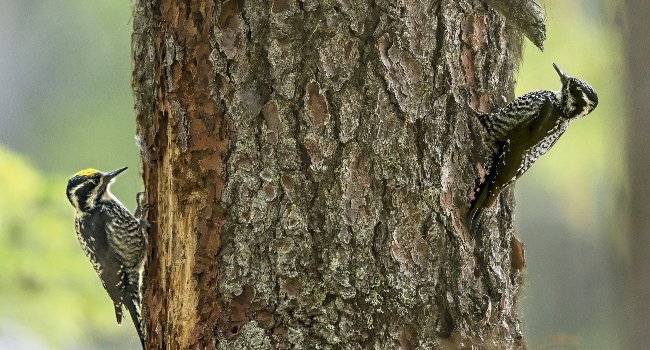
(310, 164)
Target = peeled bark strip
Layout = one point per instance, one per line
(310, 164)
(526, 15)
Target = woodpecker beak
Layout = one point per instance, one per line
(110, 175)
(563, 77)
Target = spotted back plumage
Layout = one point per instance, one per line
(499, 124)
(523, 131)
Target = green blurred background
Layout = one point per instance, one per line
(65, 72)
(67, 105)
(570, 212)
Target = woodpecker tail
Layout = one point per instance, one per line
(485, 198)
(132, 303)
(475, 214)
(118, 312)
(131, 300)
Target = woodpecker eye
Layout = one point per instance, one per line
(575, 87)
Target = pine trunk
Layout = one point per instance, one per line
(310, 166)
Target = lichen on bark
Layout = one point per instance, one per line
(309, 165)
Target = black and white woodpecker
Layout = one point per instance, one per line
(112, 238)
(524, 130)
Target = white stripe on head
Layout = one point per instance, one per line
(73, 196)
(90, 202)
(587, 108)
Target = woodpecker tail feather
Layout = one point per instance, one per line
(476, 208)
(475, 223)
(485, 198)
(132, 304)
(132, 300)
(118, 313)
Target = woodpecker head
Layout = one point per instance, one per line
(577, 98)
(90, 186)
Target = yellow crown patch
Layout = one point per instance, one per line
(87, 172)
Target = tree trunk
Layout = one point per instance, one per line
(310, 166)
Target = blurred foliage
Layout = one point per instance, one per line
(68, 86)
(67, 106)
(47, 284)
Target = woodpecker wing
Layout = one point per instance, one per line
(521, 112)
(87, 247)
(94, 245)
(512, 156)
(127, 242)
(543, 134)
(125, 237)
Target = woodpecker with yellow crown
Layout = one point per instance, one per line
(112, 238)
(523, 131)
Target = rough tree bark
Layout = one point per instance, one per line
(310, 165)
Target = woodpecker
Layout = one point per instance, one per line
(522, 131)
(112, 239)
